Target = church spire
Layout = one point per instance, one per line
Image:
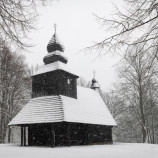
(95, 85)
(55, 50)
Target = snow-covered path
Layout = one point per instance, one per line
(117, 150)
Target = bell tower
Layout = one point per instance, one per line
(54, 78)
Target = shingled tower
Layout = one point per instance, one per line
(58, 81)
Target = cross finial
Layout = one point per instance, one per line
(55, 26)
(94, 73)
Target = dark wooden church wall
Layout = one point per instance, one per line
(99, 134)
(67, 134)
(54, 83)
(41, 135)
(62, 135)
(85, 134)
(48, 134)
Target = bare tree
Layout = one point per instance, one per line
(15, 86)
(137, 24)
(138, 88)
(124, 118)
(16, 19)
(134, 33)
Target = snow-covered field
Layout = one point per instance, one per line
(117, 150)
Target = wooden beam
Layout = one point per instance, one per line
(28, 136)
(24, 129)
(21, 136)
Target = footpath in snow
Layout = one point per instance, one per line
(117, 150)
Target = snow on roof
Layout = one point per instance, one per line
(56, 53)
(87, 108)
(40, 110)
(52, 67)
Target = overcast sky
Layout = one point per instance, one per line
(76, 29)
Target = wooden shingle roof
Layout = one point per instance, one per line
(87, 108)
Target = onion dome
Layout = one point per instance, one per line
(95, 85)
(55, 51)
(54, 45)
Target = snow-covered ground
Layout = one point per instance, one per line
(117, 150)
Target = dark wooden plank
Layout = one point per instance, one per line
(21, 136)
(24, 129)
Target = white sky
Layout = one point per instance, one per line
(76, 29)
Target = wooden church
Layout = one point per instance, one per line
(61, 113)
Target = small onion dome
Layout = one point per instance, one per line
(94, 80)
(54, 45)
(95, 85)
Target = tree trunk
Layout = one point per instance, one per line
(153, 132)
(9, 134)
(141, 106)
(144, 132)
(2, 135)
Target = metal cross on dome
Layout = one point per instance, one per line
(94, 73)
(55, 26)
